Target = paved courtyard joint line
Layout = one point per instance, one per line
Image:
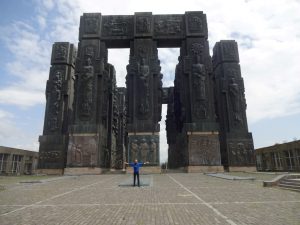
(171, 199)
(204, 202)
(55, 196)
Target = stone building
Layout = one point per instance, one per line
(91, 125)
(279, 157)
(15, 161)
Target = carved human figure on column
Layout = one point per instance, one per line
(57, 83)
(56, 97)
(198, 73)
(152, 153)
(144, 149)
(87, 82)
(144, 87)
(235, 99)
(134, 149)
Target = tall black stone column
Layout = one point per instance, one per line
(59, 108)
(88, 134)
(194, 99)
(144, 96)
(236, 142)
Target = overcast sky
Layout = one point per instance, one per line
(267, 32)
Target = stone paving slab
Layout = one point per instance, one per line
(170, 199)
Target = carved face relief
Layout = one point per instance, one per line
(195, 24)
(91, 25)
(143, 24)
(60, 52)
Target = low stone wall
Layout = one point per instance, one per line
(83, 171)
(242, 169)
(50, 171)
(204, 169)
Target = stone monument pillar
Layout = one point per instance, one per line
(87, 149)
(59, 107)
(144, 93)
(236, 142)
(194, 99)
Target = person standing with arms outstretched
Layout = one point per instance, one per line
(136, 170)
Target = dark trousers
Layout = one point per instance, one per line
(136, 175)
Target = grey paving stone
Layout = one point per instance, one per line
(169, 199)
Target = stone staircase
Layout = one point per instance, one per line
(290, 182)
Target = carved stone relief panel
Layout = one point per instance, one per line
(63, 53)
(90, 25)
(117, 26)
(198, 48)
(233, 85)
(196, 24)
(50, 156)
(143, 87)
(143, 24)
(168, 25)
(55, 99)
(204, 150)
(144, 148)
(87, 83)
(60, 53)
(240, 152)
(199, 81)
(82, 151)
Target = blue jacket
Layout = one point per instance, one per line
(136, 166)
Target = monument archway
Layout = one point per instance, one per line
(92, 124)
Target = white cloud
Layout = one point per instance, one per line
(11, 134)
(6, 125)
(29, 67)
(120, 59)
(168, 61)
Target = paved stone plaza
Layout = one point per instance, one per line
(174, 198)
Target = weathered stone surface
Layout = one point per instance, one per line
(144, 147)
(203, 149)
(90, 25)
(181, 198)
(196, 24)
(144, 87)
(82, 151)
(100, 125)
(143, 24)
(59, 106)
(63, 53)
(236, 142)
